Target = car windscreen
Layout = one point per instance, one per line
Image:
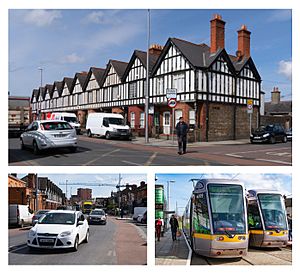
(57, 218)
(70, 119)
(116, 121)
(55, 125)
(98, 212)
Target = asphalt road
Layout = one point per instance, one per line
(106, 246)
(101, 152)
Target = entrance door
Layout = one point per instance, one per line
(166, 123)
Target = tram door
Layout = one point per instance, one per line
(255, 225)
(166, 123)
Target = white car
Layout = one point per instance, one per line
(59, 229)
(46, 134)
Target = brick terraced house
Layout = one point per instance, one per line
(212, 85)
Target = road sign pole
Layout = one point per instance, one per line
(250, 123)
(173, 124)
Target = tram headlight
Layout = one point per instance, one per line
(220, 238)
(270, 233)
(242, 238)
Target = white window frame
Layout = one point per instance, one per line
(142, 120)
(178, 82)
(192, 117)
(132, 119)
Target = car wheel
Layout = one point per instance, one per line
(272, 140)
(284, 140)
(76, 243)
(107, 135)
(22, 144)
(86, 240)
(89, 133)
(22, 224)
(36, 149)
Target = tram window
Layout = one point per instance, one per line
(254, 220)
(201, 223)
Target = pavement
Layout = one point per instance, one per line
(169, 252)
(173, 143)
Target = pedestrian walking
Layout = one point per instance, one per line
(174, 227)
(158, 225)
(289, 218)
(181, 131)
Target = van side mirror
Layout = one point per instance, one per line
(105, 124)
(79, 223)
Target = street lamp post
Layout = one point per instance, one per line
(147, 83)
(41, 74)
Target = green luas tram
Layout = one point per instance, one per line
(215, 219)
(267, 219)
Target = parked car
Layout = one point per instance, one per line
(59, 229)
(38, 215)
(142, 218)
(68, 117)
(137, 211)
(271, 133)
(46, 134)
(97, 216)
(107, 124)
(289, 134)
(19, 215)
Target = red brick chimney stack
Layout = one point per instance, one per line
(155, 49)
(217, 33)
(244, 41)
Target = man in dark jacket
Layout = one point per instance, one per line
(181, 130)
(174, 226)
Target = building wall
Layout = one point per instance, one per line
(243, 121)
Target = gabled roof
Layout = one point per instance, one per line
(35, 94)
(68, 81)
(81, 78)
(119, 67)
(42, 92)
(195, 54)
(142, 56)
(59, 86)
(49, 90)
(97, 72)
(240, 64)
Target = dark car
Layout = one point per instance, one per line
(97, 216)
(271, 133)
(289, 134)
(37, 215)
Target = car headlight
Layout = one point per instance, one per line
(266, 135)
(114, 129)
(65, 233)
(103, 218)
(32, 233)
(251, 135)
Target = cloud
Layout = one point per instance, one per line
(280, 16)
(42, 18)
(103, 18)
(285, 69)
(72, 58)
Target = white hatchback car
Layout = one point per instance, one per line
(59, 229)
(46, 134)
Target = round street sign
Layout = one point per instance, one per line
(172, 102)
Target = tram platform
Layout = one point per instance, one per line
(169, 252)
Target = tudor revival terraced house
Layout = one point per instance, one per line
(212, 86)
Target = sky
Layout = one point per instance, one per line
(181, 189)
(63, 42)
(97, 191)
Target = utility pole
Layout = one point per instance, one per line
(36, 192)
(147, 82)
(41, 73)
(119, 192)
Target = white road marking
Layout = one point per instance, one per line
(188, 260)
(275, 161)
(233, 155)
(150, 160)
(104, 155)
(131, 163)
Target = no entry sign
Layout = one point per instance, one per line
(172, 102)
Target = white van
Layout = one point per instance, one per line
(108, 125)
(68, 117)
(19, 215)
